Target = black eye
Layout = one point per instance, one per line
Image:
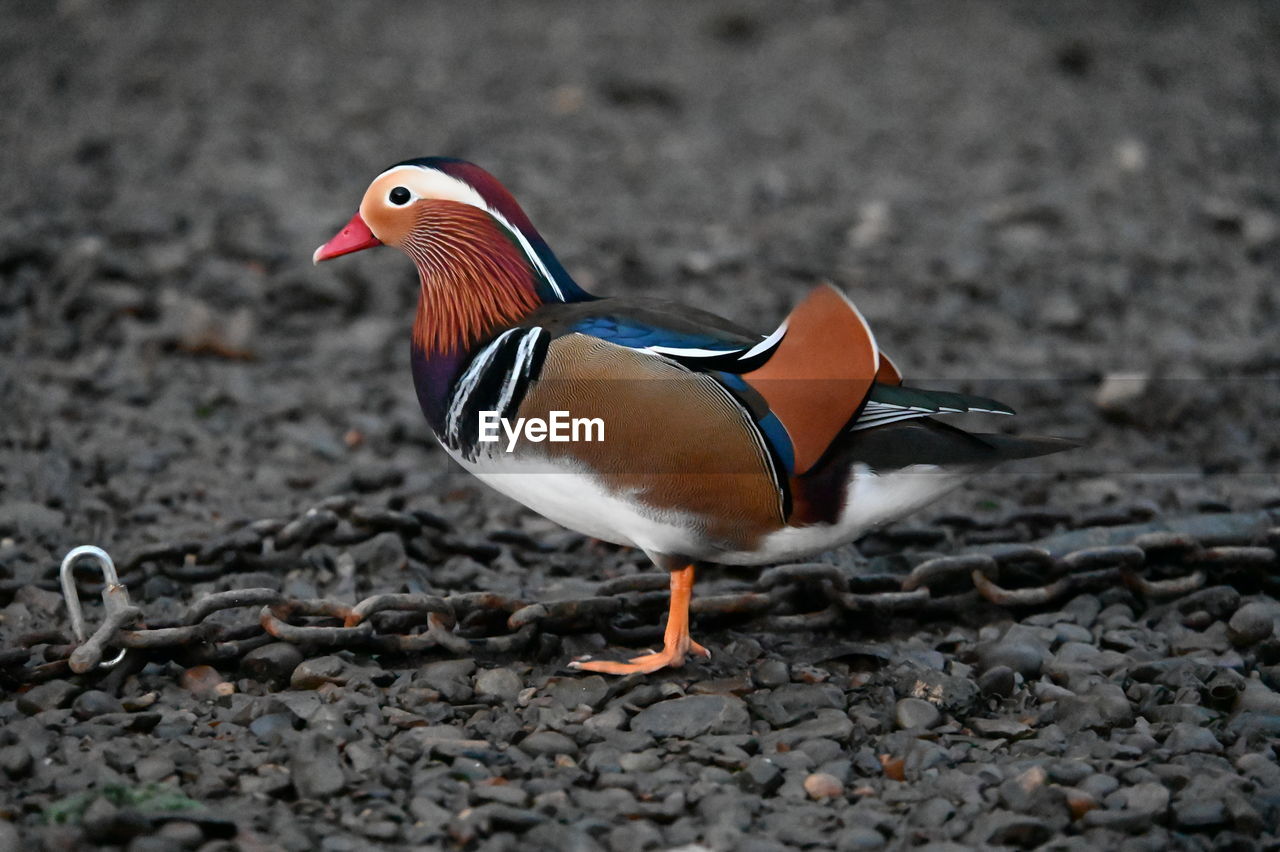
(399, 195)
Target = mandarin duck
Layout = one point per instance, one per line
(717, 444)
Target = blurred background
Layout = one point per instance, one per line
(1074, 207)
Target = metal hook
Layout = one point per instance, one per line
(115, 597)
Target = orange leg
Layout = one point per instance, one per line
(676, 642)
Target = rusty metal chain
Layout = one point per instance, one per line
(1156, 561)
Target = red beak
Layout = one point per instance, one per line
(354, 236)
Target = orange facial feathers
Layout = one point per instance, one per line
(473, 277)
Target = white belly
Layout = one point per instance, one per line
(871, 500)
(575, 499)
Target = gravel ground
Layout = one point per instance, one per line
(1027, 201)
(1109, 719)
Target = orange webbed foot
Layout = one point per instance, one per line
(676, 643)
(668, 658)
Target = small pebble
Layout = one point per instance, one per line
(693, 716)
(1099, 785)
(1068, 772)
(272, 664)
(1257, 697)
(451, 678)
(1252, 623)
(315, 672)
(507, 794)
(761, 776)
(135, 703)
(1103, 706)
(49, 695)
(15, 760)
(1024, 831)
(1022, 656)
(933, 812)
(820, 785)
(267, 727)
(154, 768)
(770, 673)
(1260, 767)
(916, 713)
(1148, 797)
(205, 682)
(1186, 738)
(1079, 802)
(94, 703)
(998, 681)
(548, 742)
(185, 834)
(1200, 814)
(502, 684)
(572, 692)
(821, 749)
(1021, 793)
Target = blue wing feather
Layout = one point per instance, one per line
(636, 334)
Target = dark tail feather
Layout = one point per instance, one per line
(1026, 446)
(928, 441)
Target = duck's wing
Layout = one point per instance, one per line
(815, 376)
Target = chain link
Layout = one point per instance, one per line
(1153, 560)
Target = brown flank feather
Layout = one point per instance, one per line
(474, 278)
(676, 442)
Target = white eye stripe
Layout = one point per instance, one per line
(424, 182)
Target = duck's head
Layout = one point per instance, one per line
(393, 208)
(479, 258)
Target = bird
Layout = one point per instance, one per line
(718, 444)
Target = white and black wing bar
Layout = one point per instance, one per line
(496, 380)
(733, 360)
